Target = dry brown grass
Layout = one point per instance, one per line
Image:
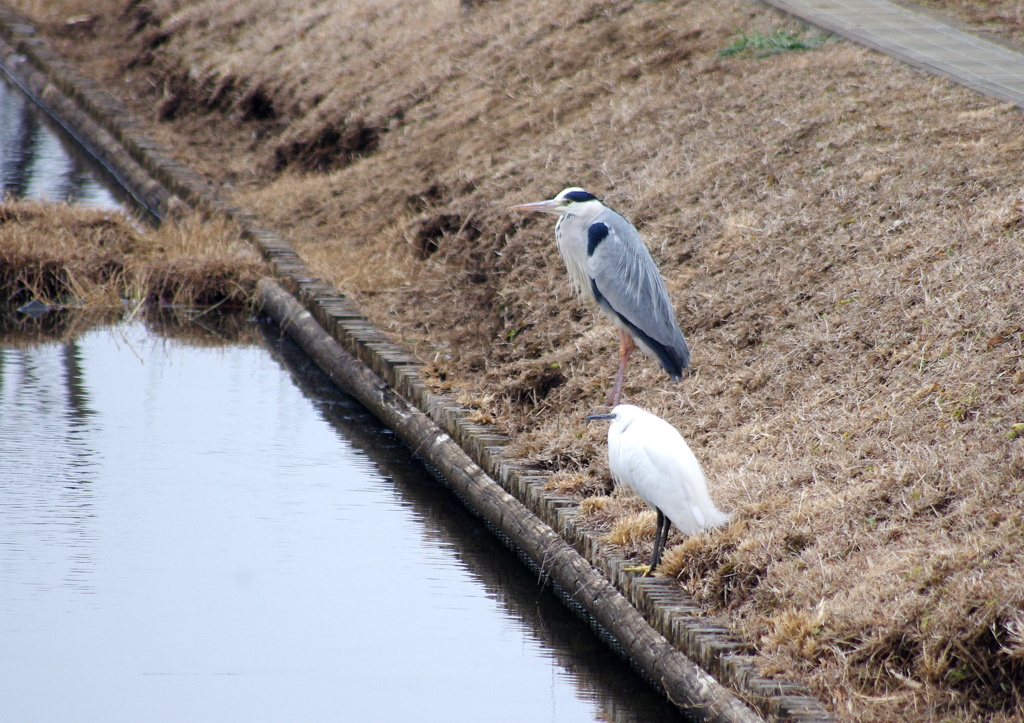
(1002, 19)
(82, 257)
(842, 236)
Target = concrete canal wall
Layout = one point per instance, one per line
(702, 668)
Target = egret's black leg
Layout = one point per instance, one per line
(660, 538)
(666, 524)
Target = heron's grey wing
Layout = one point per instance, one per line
(626, 282)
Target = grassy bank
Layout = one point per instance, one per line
(842, 237)
(87, 258)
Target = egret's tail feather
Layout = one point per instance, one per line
(717, 518)
(707, 516)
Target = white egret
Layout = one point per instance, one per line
(647, 454)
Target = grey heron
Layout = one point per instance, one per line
(648, 454)
(609, 264)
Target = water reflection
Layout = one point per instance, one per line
(46, 463)
(38, 161)
(599, 676)
(187, 536)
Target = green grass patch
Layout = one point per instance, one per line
(780, 40)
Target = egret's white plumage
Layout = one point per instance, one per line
(648, 454)
(609, 264)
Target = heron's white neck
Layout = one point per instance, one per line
(571, 237)
(568, 234)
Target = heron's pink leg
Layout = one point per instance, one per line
(626, 346)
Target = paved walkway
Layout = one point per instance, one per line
(921, 40)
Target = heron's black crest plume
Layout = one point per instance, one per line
(580, 196)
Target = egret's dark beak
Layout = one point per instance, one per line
(600, 416)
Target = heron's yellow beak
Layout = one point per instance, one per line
(551, 206)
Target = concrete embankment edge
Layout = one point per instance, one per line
(701, 667)
(683, 681)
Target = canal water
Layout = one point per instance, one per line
(216, 533)
(38, 160)
(208, 531)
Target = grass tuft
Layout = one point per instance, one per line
(634, 529)
(780, 40)
(88, 258)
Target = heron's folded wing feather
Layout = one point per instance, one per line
(625, 275)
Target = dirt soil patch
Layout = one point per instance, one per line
(842, 237)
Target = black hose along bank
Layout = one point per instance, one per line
(703, 669)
